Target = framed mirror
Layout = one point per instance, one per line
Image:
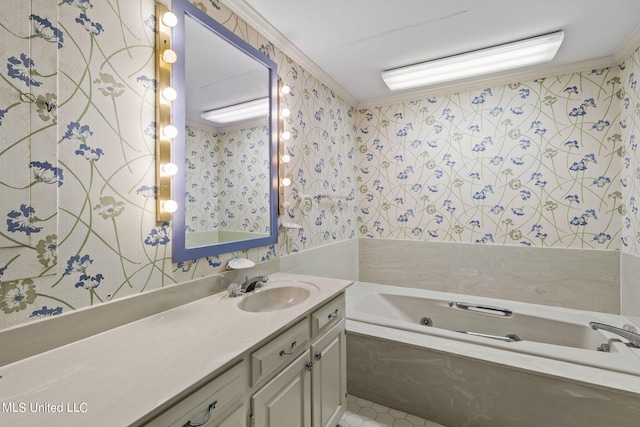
(226, 148)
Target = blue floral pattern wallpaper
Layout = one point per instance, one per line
(29, 174)
(630, 175)
(93, 144)
(227, 180)
(549, 163)
(532, 163)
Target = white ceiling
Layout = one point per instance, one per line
(353, 41)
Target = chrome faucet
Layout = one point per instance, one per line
(629, 332)
(250, 284)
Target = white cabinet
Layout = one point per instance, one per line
(310, 392)
(286, 399)
(296, 379)
(329, 377)
(219, 403)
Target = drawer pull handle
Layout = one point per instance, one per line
(206, 420)
(334, 314)
(291, 350)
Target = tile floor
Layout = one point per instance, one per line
(363, 413)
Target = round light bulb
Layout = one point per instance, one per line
(285, 112)
(286, 182)
(170, 206)
(170, 169)
(285, 135)
(285, 89)
(169, 56)
(285, 158)
(169, 93)
(170, 131)
(169, 19)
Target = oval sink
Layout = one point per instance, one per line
(273, 299)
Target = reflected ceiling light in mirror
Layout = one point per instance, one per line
(239, 112)
(536, 50)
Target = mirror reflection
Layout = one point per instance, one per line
(228, 183)
(226, 158)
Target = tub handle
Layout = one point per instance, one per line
(487, 309)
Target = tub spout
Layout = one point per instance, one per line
(634, 338)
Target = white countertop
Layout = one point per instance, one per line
(117, 377)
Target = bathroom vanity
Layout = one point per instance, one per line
(273, 357)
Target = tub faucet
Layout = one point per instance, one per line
(250, 284)
(628, 332)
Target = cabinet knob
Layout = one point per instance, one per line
(334, 314)
(308, 366)
(318, 356)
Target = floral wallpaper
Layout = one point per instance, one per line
(630, 176)
(551, 162)
(323, 163)
(532, 163)
(227, 180)
(29, 174)
(91, 141)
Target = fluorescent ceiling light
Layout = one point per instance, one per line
(518, 54)
(239, 112)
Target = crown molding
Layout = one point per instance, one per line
(481, 83)
(627, 47)
(260, 24)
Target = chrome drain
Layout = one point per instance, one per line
(426, 321)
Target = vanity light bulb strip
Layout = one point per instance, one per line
(283, 157)
(165, 131)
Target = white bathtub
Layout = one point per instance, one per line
(556, 350)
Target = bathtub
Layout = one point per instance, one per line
(465, 360)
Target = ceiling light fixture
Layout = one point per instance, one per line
(536, 50)
(238, 112)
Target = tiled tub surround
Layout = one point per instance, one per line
(456, 379)
(159, 360)
(630, 286)
(572, 278)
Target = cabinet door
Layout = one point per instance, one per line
(329, 377)
(286, 399)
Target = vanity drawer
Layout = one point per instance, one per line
(279, 352)
(327, 316)
(225, 393)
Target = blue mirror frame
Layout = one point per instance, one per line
(181, 252)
